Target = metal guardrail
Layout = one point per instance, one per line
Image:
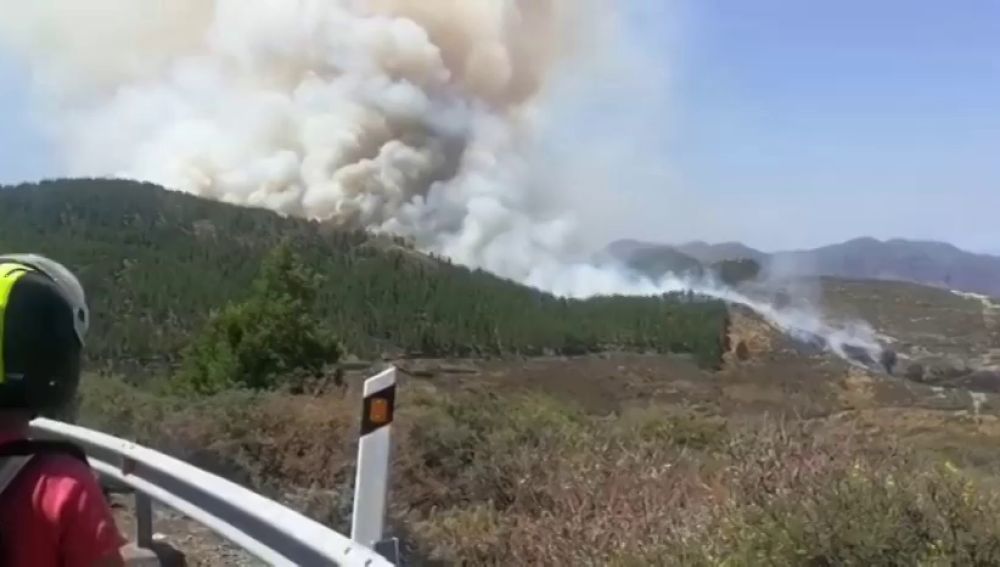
(270, 531)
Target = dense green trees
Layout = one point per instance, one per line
(156, 263)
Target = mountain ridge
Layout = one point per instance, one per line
(927, 262)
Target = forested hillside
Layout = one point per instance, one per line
(156, 263)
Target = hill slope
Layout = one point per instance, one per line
(156, 263)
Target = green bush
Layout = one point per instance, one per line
(272, 339)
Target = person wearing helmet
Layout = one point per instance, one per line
(52, 509)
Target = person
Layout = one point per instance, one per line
(52, 509)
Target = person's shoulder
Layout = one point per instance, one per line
(69, 495)
(64, 472)
(64, 462)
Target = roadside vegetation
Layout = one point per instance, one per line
(481, 479)
(220, 335)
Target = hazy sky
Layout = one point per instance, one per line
(827, 120)
(23, 151)
(784, 123)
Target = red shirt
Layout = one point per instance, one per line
(54, 514)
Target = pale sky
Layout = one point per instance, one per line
(828, 120)
(24, 152)
(783, 123)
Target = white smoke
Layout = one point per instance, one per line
(408, 116)
(415, 117)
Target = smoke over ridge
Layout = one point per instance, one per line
(406, 116)
(421, 118)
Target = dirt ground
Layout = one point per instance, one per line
(180, 541)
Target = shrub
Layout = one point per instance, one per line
(526, 479)
(271, 339)
(638, 493)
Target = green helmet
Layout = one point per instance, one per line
(43, 325)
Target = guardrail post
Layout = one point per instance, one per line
(371, 483)
(143, 509)
(143, 520)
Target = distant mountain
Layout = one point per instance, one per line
(931, 263)
(731, 262)
(712, 253)
(926, 262)
(654, 259)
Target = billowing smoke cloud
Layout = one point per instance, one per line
(407, 116)
(417, 117)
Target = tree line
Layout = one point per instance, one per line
(158, 264)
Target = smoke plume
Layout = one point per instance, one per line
(422, 118)
(406, 116)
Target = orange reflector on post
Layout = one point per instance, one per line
(379, 411)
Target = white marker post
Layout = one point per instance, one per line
(371, 484)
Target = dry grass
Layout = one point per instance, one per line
(495, 466)
(524, 479)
